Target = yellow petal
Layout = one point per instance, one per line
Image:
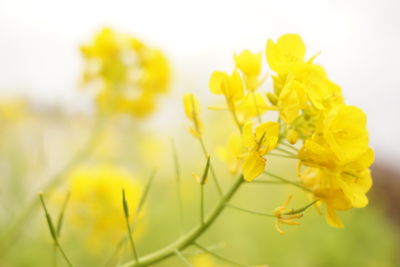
(248, 62)
(191, 105)
(253, 166)
(217, 81)
(332, 218)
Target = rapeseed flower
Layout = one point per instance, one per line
(127, 74)
(258, 143)
(96, 202)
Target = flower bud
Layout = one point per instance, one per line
(292, 136)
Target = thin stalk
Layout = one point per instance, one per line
(205, 152)
(256, 106)
(61, 215)
(236, 119)
(249, 211)
(128, 226)
(289, 146)
(285, 151)
(203, 181)
(53, 230)
(217, 256)
(144, 196)
(198, 251)
(115, 251)
(182, 258)
(135, 216)
(188, 239)
(178, 184)
(202, 204)
(302, 209)
(267, 182)
(282, 156)
(287, 181)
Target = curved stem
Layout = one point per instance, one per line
(188, 239)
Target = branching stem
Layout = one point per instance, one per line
(189, 238)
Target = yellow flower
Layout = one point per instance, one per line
(292, 99)
(341, 137)
(339, 157)
(127, 74)
(231, 86)
(321, 92)
(192, 110)
(282, 214)
(250, 65)
(345, 132)
(96, 202)
(258, 143)
(325, 188)
(230, 154)
(287, 54)
(247, 109)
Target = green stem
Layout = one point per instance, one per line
(64, 255)
(287, 181)
(128, 226)
(182, 257)
(205, 152)
(289, 146)
(178, 185)
(53, 230)
(249, 211)
(202, 204)
(61, 216)
(282, 156)
(285, 151)
(188, 239)
(302, 209)
(236, 119)
(256, 106)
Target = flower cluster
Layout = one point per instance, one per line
(327, 137)
(96, 202)
(128, 74)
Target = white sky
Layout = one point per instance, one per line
(359, 40)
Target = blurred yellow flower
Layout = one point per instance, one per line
(250, 65)
(231, 86)
(96, 203)
(192, 111)
(230, 153)
(128, 74)
(247, 109)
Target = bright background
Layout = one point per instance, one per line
(359, 41)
